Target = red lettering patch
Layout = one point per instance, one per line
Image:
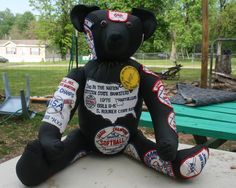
(116, 16)
(111, 140)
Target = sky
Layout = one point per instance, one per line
(16, 6)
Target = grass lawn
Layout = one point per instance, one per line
(44, 79)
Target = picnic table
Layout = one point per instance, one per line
(217, 122)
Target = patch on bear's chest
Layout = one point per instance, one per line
(111, 101)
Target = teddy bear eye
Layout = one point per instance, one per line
(103, 23)
(129, 24)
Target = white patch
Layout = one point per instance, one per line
(111, 140)
(90, 41)
(192, 166)
(131, 151)
(152, 160)
(111, 101)
(88, 23)
(116, 16)
(171, 121)
(162, 97)
(60, 106)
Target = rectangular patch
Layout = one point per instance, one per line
(116, 16)
(60, 106)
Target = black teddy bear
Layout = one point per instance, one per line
(109, 92)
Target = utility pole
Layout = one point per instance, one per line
(205, 42)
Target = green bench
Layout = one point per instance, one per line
(217, 122)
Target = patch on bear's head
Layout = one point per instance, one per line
(113, 35)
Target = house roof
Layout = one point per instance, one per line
(22, 42)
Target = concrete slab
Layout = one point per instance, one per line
(120, 171)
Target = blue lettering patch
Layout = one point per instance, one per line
(152, 160)
(60, 106)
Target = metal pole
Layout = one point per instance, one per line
(205, 41)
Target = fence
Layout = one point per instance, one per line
(45, 76)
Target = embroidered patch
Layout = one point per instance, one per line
(88, 23)
(162, 97)
(90, 41)
(131, 151)
(111, 140)
(171, 121)
(157, 85)
(129, 77)
(116, 16)
(60, 106)
(193, 165)
(111, 101)
(152, 160)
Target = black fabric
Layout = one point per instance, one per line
(166, 137)
(78, 15)
(115, 41)
(148, 19)
(33, 167)
(195, 96)
(50, 139)
(143, 145)
(108, 92)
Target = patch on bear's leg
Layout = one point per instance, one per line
(131, 151)
(193, 165)
(152, 159)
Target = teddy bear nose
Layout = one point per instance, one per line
(115, 40)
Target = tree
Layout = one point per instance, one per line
(21, 26)
(6, 22)
(184, 20)
(54, 22)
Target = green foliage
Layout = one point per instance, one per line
(6, 22)
(184, 19)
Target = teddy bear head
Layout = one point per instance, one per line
(113, 35)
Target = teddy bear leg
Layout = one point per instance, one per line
(33, 167)
(75, 147)
(190, 162)
(187, 164)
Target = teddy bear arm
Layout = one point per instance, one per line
(162, 115)
(60, 111)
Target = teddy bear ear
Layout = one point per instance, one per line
(148, 19)
(78, 14)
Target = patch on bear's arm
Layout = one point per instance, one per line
(60, 106)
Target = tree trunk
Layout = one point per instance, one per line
(223, 62)
(173, 55)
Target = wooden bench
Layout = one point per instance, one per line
(216, 121)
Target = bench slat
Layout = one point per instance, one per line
(202, 127)
(181, 110)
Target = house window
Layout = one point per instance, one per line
(34, 51)
(10, 50)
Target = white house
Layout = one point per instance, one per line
(23, 50)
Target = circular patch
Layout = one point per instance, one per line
(90, 101)
(129, 77)
(111, 140)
